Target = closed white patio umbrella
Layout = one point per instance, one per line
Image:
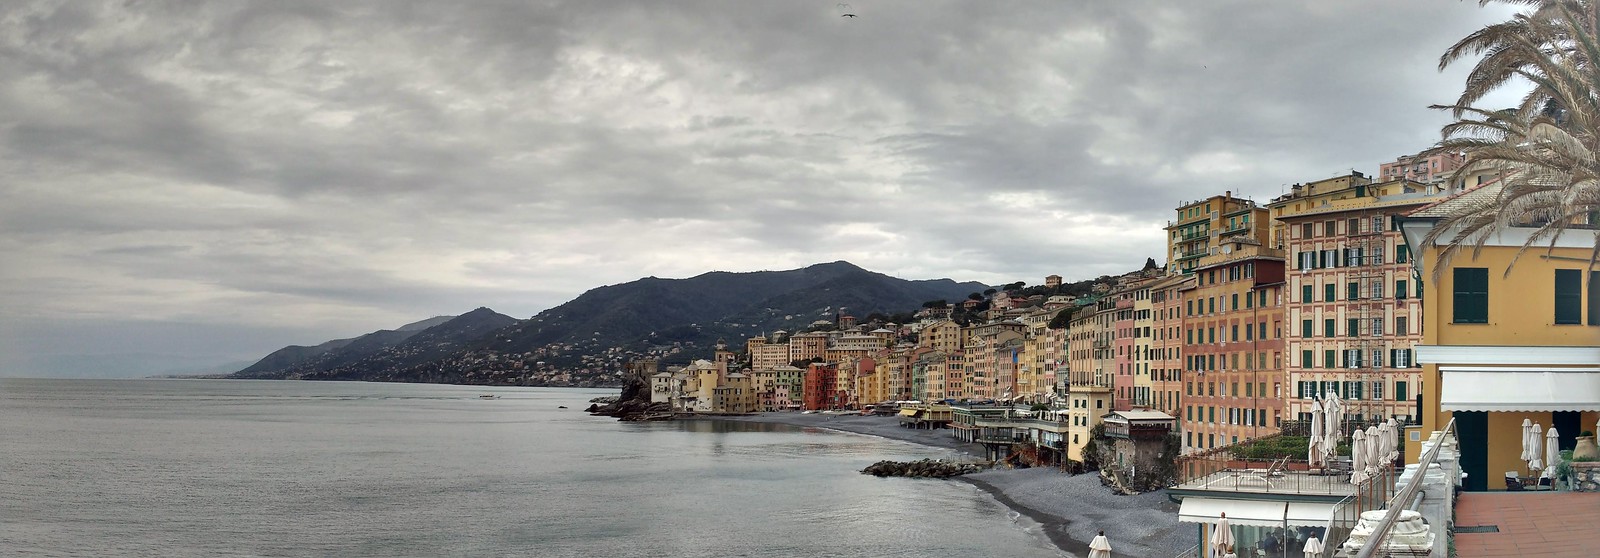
(1527, 442)
(1313, 547)
(1394, 439)
(1100, 547)
(1536, 449)
(1221, 536)
(1333, 418)
(1358, 457)
(1552, 455)
(1375, 450)
(1314, 450)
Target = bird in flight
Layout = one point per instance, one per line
(845, 11)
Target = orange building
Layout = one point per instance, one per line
(1233, 346)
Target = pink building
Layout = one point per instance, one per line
(1434, 169)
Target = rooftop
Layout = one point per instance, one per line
(1527, 524)
(1255, 481)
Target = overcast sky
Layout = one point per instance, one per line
(196, 183)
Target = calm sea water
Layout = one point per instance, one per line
(257, 468)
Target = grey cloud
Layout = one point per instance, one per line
(303, 165)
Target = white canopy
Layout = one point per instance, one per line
(1494, 388)
(1260, 513)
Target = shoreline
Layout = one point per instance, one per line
(1069, 508)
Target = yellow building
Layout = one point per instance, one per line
(1202, 224)
(943, 336)
(1503, 343)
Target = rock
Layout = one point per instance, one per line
(926, 468)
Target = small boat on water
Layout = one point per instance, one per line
(488, 396)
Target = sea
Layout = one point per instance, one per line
(177, 468)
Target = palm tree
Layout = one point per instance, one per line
(1542, 151)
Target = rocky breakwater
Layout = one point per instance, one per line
(633, 404)
(923, 469)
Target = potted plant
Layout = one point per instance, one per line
(1586, 450)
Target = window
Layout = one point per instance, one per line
(1327, 358)
(1400, 289)
(1471, 296)
(1211, 304)
(1400, 391)
(1305, 293)
(1330, 228)
(1377, 390)
(1235, 333)
(1401, 325)
(1305, 329)
(1305, 360)
(1352, 327)
(1263, 302)
(1306, 230)
(1234, 302)
(1377, 288)
(1328, 292)
(1263, 333)
(1327, 328)
(1249, 332)
(1402, 254)
(1352, 291)
(1569, 297)
(1594, 298)
(1353, 227)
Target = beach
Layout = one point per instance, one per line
(1071, 508)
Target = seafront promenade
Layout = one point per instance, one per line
(1070, 508)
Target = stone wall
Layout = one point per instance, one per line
(1586, 476)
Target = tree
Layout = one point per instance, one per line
(941, 303)
(1061, 320)
(1543, 151)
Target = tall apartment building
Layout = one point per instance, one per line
(807, 346)
(1434, 169)
(1201, 225)
(1088, 382)
(1354, 311)
(1122, 346)
(1233, 346)
(1166, 360)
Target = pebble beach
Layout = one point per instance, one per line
(1071, 508)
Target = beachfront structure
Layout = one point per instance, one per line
(1506, 343)
(1353, 313)
(1233, 346)
(1201, 225)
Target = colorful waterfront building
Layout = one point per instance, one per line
(1233, 346)
(1506, 342)
(1201, 225)
(1354, 312)
(819, 389)
(1166, 362)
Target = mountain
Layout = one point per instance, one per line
(421, 347)
(587, 341)
(333, 354)
(695, 312)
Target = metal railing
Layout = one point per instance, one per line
(1402, 498)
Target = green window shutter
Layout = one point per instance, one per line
(1328, 292)
(1305, 328)
(1352, 291)
(1352, 327)
(1327, 358)
(1569, 296)
(1594, 298)
(1471, 295)
(1400, 289)
(1402, 254)
(1400, 391)
(1327, 328)
(1305, 360)
(1305, 293)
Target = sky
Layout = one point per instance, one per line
(190, 185)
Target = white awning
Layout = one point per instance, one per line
(1492, 388)
(1260, 513)
(1308, 514)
